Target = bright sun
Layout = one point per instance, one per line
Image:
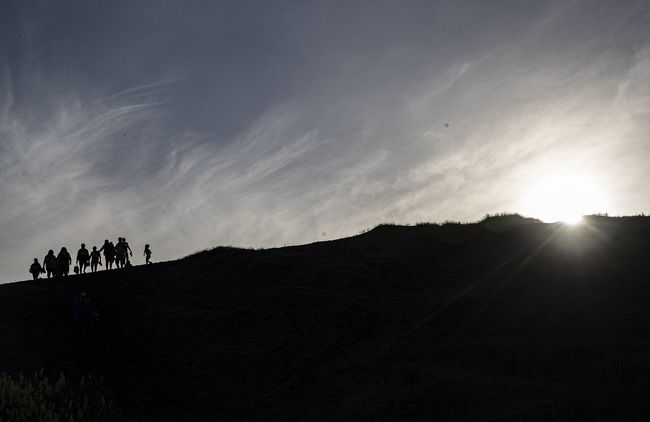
(564, 197)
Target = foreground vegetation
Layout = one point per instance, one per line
(37, 398)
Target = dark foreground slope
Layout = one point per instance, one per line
(461, 322)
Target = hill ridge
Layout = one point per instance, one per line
(462, 321)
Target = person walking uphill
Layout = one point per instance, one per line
(147, 254)
(63, 262)
(82, 258)
(109, 253)
(49, 263)
(127, 250)
(36, 269)
(120, 253)
(95, 258)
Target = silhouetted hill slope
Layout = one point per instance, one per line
(516, 321)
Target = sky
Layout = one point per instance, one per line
(193, 124)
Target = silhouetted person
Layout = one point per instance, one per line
(63, 262)
(127, 248)
(120, 252)
(35, 269)
(95, 258)
(109, 253)
(83, 256)
(147, 254)
(83, 312)
(49, 263)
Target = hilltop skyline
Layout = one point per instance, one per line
(188, 125)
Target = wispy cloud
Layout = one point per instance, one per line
(55, 172)
(324, 138)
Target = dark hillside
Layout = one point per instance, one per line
(501, 320)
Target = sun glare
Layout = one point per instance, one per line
(564, 197)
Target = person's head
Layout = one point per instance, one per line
(119, 239)
(83, 246)
(35, 260)
(50, 252)
(124, 239)
(94, 248)
(146, 246)
(63, 249)
(106, 241)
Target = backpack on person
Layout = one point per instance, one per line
(50, 261)
(83, 255)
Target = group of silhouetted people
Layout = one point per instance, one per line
(59, 265)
